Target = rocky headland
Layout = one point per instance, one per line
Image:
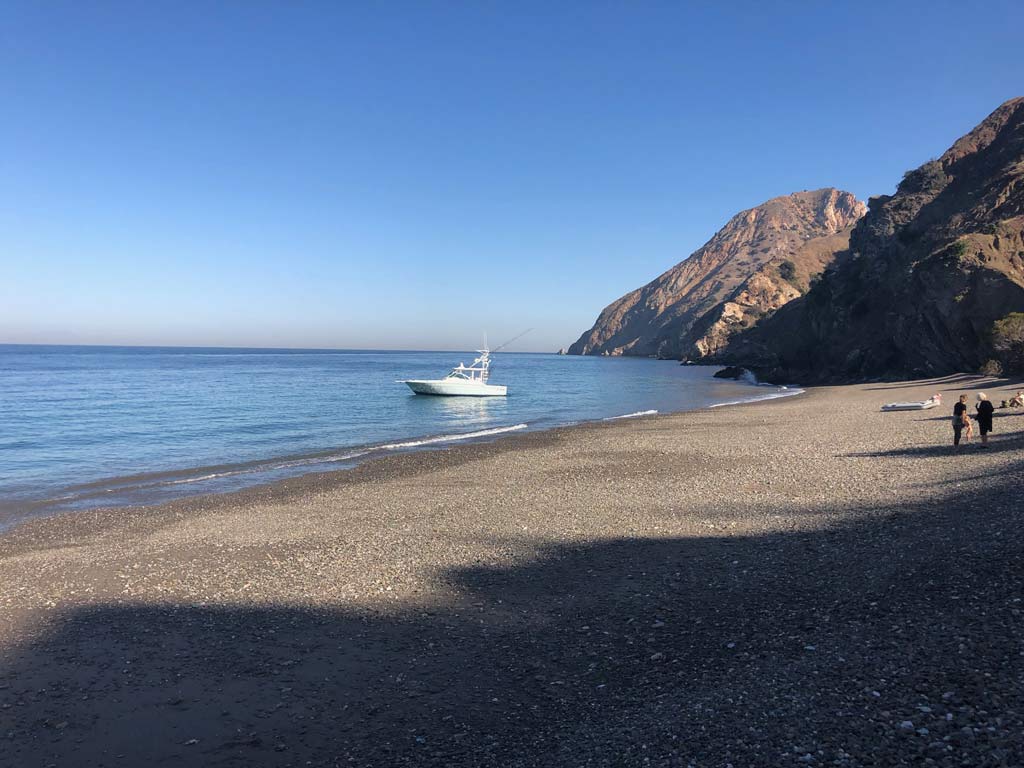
(809, 288)
(761, 259)
(929, 271)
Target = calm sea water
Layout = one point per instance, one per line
(90, 426)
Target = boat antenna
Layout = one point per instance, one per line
(514, 338)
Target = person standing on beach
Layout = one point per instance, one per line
(959, 413)
(984, 409)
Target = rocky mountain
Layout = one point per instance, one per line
(770, 287)
(760, 260)
(928, 271)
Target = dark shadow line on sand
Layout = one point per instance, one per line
(941, 381)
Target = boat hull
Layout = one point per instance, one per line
(456, 388)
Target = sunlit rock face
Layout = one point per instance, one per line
(760, 260)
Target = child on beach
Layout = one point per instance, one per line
(968, 428)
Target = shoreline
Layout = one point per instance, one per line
(346, 459)
(752, 584)
(398, 464)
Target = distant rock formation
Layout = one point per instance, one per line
(928, 271)
(732, 372)
(762, 259)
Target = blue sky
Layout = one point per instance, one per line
(410, 175)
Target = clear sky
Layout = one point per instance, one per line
(410, 175)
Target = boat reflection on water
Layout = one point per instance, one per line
(463, 411)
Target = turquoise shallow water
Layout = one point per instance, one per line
(90, 426)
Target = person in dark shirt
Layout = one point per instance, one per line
(984, 409)
(959, 414)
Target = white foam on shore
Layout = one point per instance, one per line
(773, 396)
(186, 480)
(308, 461)
(630, 415)
(450, 438)
(335, 458)
(315, 460)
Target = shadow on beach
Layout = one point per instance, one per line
(1013, 441)
(959, 384)
(752, 650)
(961, 379)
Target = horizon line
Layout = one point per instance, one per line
(265, 349)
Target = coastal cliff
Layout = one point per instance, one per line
(928, 271)
(760, 260)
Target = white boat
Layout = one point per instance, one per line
(462, 381)
(924, 405)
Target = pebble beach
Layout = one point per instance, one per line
(800, 581)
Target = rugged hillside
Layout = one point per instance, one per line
(771, 286)
(928, 271)
(737, 276)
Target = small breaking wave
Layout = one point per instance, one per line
(187, 480)
(450, 438)
(141, 484)
(630, 415)
(342, 457)
(330, 459)
(750, 377)
(784, 392)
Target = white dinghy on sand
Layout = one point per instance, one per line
(924, 405)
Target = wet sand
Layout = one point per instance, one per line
(804, 581)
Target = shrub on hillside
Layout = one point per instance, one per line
(787, 270)
(1008, 342)
(930, 177)
(991, 368)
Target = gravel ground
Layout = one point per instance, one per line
(800, 582)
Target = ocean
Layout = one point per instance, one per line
(104, 426)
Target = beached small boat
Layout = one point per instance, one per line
(923, 405)
(462, 381)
